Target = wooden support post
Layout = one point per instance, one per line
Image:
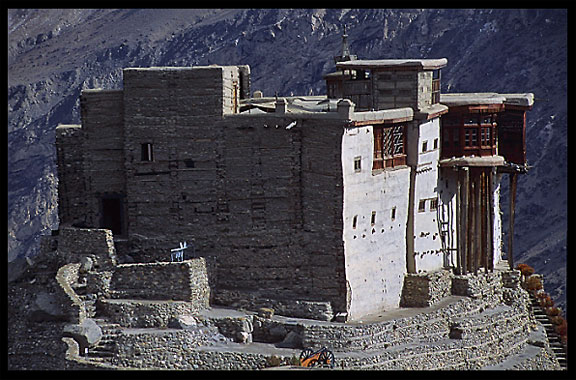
(513, 180)
(472, 226)
(410, 259)
(464, 214)
(485, 219)
(477, 222)
(459, 234)
(491, 218)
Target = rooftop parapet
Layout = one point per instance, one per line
(321, 107)
(486, 98)
(418, 64)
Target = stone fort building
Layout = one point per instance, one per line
(330, 204)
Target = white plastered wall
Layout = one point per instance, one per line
(427, 244)
(375, 254)
(497, 222)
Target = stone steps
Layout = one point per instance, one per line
(106, 347)
(556, 346)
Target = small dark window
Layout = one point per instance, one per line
(373, 218)
(147, 152)
(357, 164)
(433, 204)
(422, 205)
(354, 221)
(393, 213)
(436, 143)
(424, 146)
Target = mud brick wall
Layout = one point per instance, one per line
(264, 201)
(279, 217)
(181, 281)
(71, 181)
(102, 121)
(173, 197)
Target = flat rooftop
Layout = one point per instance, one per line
(417, 64)
(485, 98)
(321, 107)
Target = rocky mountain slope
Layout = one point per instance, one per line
(54, 54)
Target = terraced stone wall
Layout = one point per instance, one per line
(178, 281)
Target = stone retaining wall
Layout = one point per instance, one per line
(317, 310)
(180, 281)
(180, 349)
(145, 314)
(70, 302)
(96, 243)
(425, 289)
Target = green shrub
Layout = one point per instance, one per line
(273, 361)
(553, 311)
(533, 283)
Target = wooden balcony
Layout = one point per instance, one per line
(482, 130)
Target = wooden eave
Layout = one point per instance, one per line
(359, 123)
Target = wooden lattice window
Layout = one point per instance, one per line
(436, 86)
(389, 146)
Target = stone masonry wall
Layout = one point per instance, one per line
(173, 196)
(426, 289)
(467, 333)
(98, 244)
(71, 181)
(286, 187)
(179, 281)
(262, 199)
(102, 121)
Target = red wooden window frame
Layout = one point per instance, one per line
(389, 146)
(466, 134)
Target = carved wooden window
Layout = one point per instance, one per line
(389, 146)
(436, 86)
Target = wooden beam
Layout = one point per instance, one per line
(485, 219)
(464, 222)
(478, 233)
(491, 218)
(459, 234)
(410, 259)
(470, 260)
(513, 181)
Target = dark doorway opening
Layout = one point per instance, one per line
(112, 215)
